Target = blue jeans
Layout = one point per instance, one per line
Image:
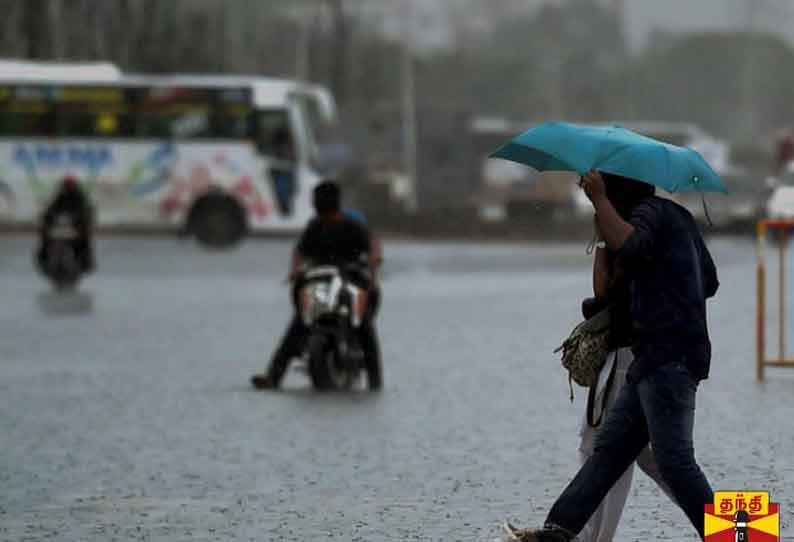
(660, 408)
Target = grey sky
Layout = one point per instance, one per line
(642, 16)
(431, 27)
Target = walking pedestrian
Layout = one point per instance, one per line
(610, 290)
(670, 275)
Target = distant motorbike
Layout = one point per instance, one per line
(333, 307)
(61, 262)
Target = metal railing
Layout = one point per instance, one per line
(781, 229)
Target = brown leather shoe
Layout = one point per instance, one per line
(264, 382)
(536, 535)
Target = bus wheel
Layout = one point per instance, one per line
(217, 220)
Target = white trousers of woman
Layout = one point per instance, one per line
(604, 522)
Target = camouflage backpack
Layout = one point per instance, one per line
(584, 352)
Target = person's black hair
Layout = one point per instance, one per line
(625, 193)
(327, 197)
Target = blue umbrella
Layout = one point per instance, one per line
(560, 146)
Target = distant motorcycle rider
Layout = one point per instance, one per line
(69, 200)
(331, 238)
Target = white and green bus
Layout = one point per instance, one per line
(214, 156)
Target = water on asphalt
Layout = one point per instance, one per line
(125, 412)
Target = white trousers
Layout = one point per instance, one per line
(604, 522)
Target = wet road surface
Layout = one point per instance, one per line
(125, 412)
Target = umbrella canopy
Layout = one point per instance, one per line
(561, 146)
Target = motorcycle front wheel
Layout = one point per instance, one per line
(325, 369)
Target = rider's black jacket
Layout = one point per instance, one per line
(334, 242)
(74, 203)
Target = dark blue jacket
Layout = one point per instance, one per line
(670, 274)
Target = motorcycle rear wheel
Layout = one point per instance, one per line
(62, 267)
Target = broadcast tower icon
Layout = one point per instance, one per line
(740, 521)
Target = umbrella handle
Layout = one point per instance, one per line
(706, 210)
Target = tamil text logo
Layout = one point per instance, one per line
(742, 516)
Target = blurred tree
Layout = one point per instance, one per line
(118, 21)
(339, 49)
(708, 87)
(556, 62)
(37, 28)
(11, 31)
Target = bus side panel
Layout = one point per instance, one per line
(147, 183)
(126, 181)
(239, 170)
(20, 192)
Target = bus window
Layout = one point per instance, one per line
(273, 135)
(93, 123)
(183, 122)
(175, 113)
(25, 111)
(26, 124)
(92, 112)
(308, 119)
(232, 121)
(232, 115)
(99, 124)
(275, 139)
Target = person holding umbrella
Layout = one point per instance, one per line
(611, 291)
(670, 274)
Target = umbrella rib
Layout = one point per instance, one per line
(547, 154)
(614, 153)
(558, 159)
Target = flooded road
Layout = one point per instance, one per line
(125, 411)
